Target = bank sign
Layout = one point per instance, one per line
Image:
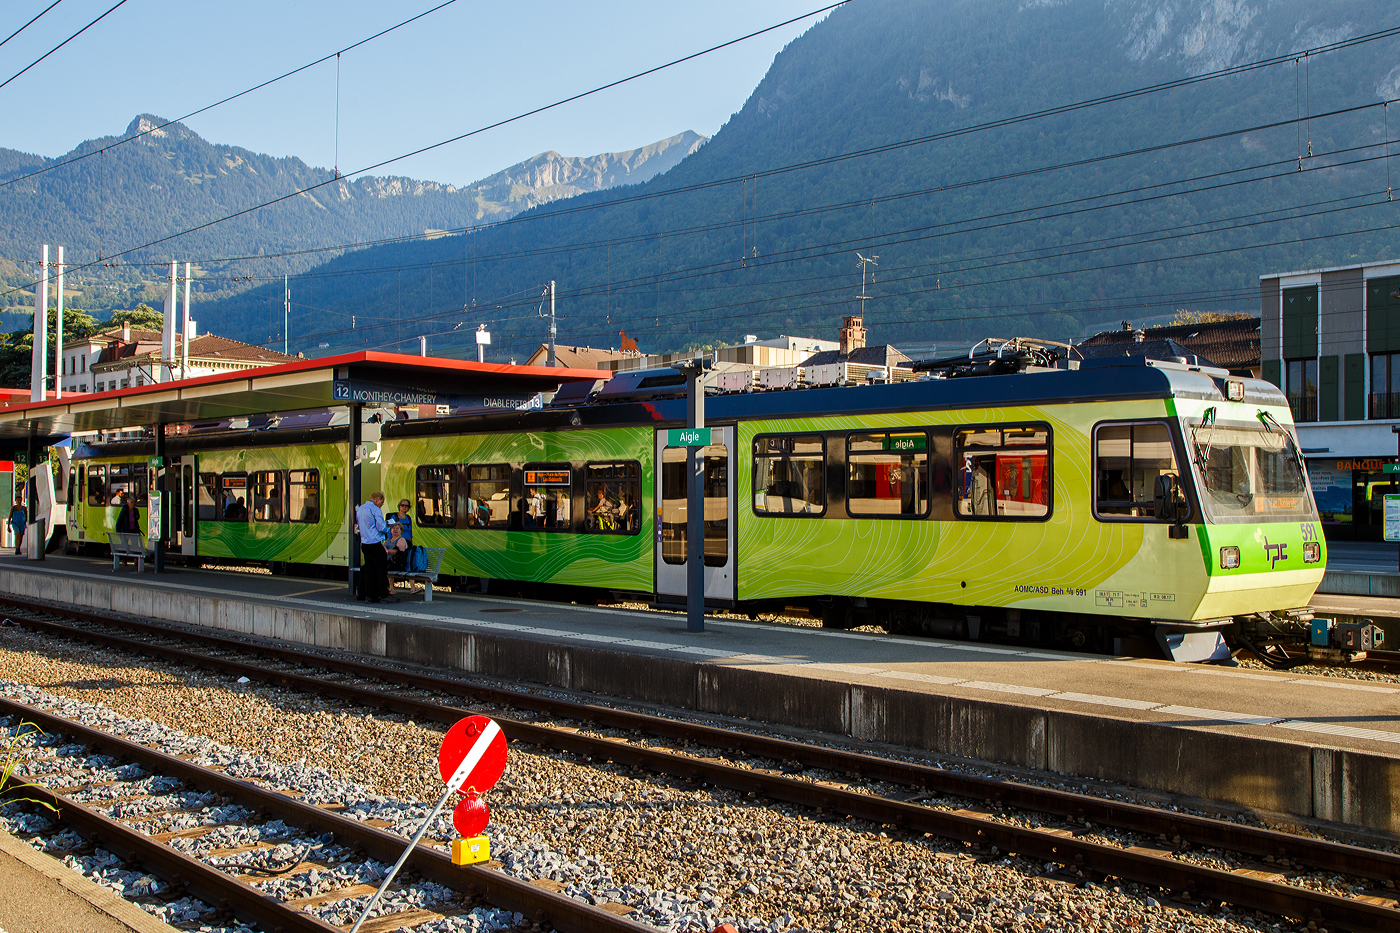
(369, 393)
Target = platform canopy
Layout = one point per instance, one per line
(367, 378)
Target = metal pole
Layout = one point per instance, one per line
(422, 346)
(39, 365)
(185, 328)
(286, 311)
(167, 342)
(31, 485)
(353, 488)
(552, 329)
(58, 331)
(695, 506)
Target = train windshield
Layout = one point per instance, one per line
(1248, 472)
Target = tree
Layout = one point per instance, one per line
(142, 317)
(1207, 317)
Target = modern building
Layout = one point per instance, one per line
(1330, 339)
(775, 351)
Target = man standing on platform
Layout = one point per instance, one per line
(374, 577)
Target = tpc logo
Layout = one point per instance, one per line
(1273, 553)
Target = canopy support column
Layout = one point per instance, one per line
(158, 512)
(353, 493)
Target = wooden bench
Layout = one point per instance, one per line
(429, 576)
(128, 545)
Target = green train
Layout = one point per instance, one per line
(1070, 504)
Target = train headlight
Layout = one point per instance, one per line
(1229, 558)
(1312, 552)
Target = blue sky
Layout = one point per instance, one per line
(462, 67)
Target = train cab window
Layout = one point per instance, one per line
(267, 496)
(97, 486)
(435, 503)
(206, 508)
(1128, 458)
(233, 497)
(612, 498)
(1005, 472)
(887, 474)
(488, 489)
(789, 475)
(548, 497)
(304, 496)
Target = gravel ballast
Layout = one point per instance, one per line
(685, 858)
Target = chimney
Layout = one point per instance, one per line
(1139, 336)
(1127, 326)
(126, 332)
(852, 334)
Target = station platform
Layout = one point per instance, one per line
(1280, 743)
(1362, 568)
(39, 894)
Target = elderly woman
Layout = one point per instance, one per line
(397, 546)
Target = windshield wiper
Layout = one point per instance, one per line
(1271, 424)
(1203, 453)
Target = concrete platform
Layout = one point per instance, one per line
(39, 894)
(1362, 568)
(1290, 743)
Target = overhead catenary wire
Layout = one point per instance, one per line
(31, 22)
(232, 97)
(75, 35)
(461, 136)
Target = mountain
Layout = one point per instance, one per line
(171, 179)
(895, 127)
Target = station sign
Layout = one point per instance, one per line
(1391, 468)
(1390, 519)
(907, 442)
(688, 437)
(372, 393)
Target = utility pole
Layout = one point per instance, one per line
(185, 328)
(286, 311)
(167, 342)
(39, 359)
(552, 329)
(863, 263)
(58, 331)
(483, 337)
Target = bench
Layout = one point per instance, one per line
(128, 545)
(429, 576)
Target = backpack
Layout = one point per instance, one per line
(417, 559)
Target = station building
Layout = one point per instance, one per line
(1330, 339)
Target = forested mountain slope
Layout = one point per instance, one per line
(993, 226)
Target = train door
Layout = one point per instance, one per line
(671, 517)
(77, 503)
(186, 521)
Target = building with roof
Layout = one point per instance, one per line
(851, 348)
(1230, 344)
(579, 357)
(123, 357)
(782, 350)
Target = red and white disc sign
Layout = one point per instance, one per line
(473, 754)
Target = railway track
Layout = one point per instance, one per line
(234, 897)
(1160, 856)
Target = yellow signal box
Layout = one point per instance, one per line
(470, 851)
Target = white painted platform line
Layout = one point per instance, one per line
(1215, 714)
(920, 678)
(1332, 728)
(1006, 688)
(1336, 684)
(1095, 700)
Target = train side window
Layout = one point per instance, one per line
(548, 497)
(233, 497)
(789, 475)
(97, 486)
(887, 475)
(208, 497)
(1128, 458)
(118, 483)
(488, 492)
(267, 496)
(1005, 472)
(612, 496)
(137, 480)
(304, 496)
(72, 485)
(435, 502)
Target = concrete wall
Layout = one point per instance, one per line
(1266, 774)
